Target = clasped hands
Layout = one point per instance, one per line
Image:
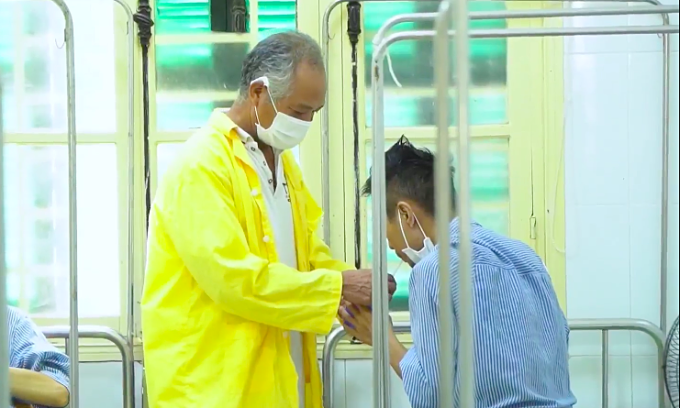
(355, 312)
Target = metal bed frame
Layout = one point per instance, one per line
(74, 332)
(4, 341)
(444, 18)
(413, 17)
(602, 325)
(110, 335)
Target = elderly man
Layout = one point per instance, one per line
(38, 373)
(238, 284)
(521, 334)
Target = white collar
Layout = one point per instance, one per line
(244, 136)
(247, 139)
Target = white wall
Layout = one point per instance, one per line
(613, 88)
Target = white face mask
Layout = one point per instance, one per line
(416, 255)
(285, 131)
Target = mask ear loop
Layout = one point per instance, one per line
(396, 270)
(401, 227)
(420, 227)
(257, 116)
(265, 83)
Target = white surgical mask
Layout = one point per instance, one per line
(285, 132)
(416, 255)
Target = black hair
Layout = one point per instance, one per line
(409, 173)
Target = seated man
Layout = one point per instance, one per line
(38, 373)
(521, 334)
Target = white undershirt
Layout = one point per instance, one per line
(277, 202)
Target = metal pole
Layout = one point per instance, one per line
(4, 341)
(512, 14)
(131, 161)
(443, 200)
(73, 204)
(665, 153)
(131, 332)
(536, 32)
(381, 361)
(466, 347)
(103, 333)
(605, 368)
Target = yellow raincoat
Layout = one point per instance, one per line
(217, 303)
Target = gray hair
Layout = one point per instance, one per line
(277, 57)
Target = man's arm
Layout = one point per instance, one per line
(37, 388)
(38, 373)
(420, 365)
(200, 218)
(397, 354)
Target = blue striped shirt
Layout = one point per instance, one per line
(521, 334)
(30, 350)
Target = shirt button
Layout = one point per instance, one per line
(254, 192)
(266, 238)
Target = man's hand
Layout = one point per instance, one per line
(357, 286)
(358, 322)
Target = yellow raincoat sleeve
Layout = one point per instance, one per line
(199, 216)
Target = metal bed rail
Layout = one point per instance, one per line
(72, 344)
(441, 36)
(605, 326)
(4, 341)
(101, 333)
(72, 199)
(131, 312)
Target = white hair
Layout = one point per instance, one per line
(277, 57)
